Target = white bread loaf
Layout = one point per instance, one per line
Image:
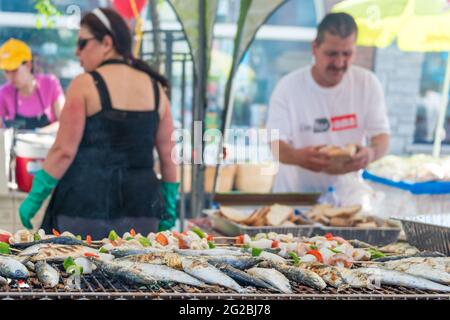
(233, 214)
(278, 214)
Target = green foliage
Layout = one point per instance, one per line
(47, 11)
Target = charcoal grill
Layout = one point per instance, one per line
(99, 286)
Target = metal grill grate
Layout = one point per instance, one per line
(100, 286)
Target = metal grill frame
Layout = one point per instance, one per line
(98, 286)
(426, 235)
(209, 296)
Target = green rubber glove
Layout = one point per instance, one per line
(43, 184)
(169, 191)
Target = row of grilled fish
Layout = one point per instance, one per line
(229, 268)
(276, 275)
(35, 258)
(200, 272)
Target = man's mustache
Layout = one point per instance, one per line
(333, 68)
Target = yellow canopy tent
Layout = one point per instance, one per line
(417, 25)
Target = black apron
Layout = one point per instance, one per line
(111, 184)
(28, 123)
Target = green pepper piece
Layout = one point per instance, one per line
(102, 250)
(36, 237)
(199, 232)
(256, 252)
(144, 241)
(5, 248)
(375, 254)
(68, 262)
(294, 257)
(74, 269)
(211, 245)
(113, 235)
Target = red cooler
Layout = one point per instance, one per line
(31, 150)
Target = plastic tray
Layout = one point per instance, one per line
(429, 187)
(230, 228)
(428, 232)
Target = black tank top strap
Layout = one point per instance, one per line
(156, 93)
(102, 89)
(113, 61)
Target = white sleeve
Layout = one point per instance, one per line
(376, 119)
(278, 115)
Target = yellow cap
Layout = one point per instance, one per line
(13, 53)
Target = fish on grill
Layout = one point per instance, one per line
(424, 254)
(3, 282)
(121, 252)
(12, 268)
(297, 274)
(210, 252)
(62, 240)
(163, 273)
(127, 274)
(202, 270)
(46, 274)
(30, 266)
(438, 262)
(399, 248)
(238, 262)
(434, 269)
(73, 282)
(53, 253)
(353, 278)
(397, 278)
(145, 273)
(244, 278)
(330, 274)
(272, 257)
(32, 250)
(374, 277)
(360, 244)
(155, 258)
(173, 260)
(273, 277)
(170, 259)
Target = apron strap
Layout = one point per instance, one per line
(102, 89)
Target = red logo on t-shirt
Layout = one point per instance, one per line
(346, 122)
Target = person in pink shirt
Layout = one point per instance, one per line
(27, 101)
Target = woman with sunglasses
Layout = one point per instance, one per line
(28, 101)
(102, 161)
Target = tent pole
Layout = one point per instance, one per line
(440, 128)
(226, 123)
(198, 167)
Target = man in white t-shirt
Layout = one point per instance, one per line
(328, 103)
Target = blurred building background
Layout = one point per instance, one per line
(412, 81)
